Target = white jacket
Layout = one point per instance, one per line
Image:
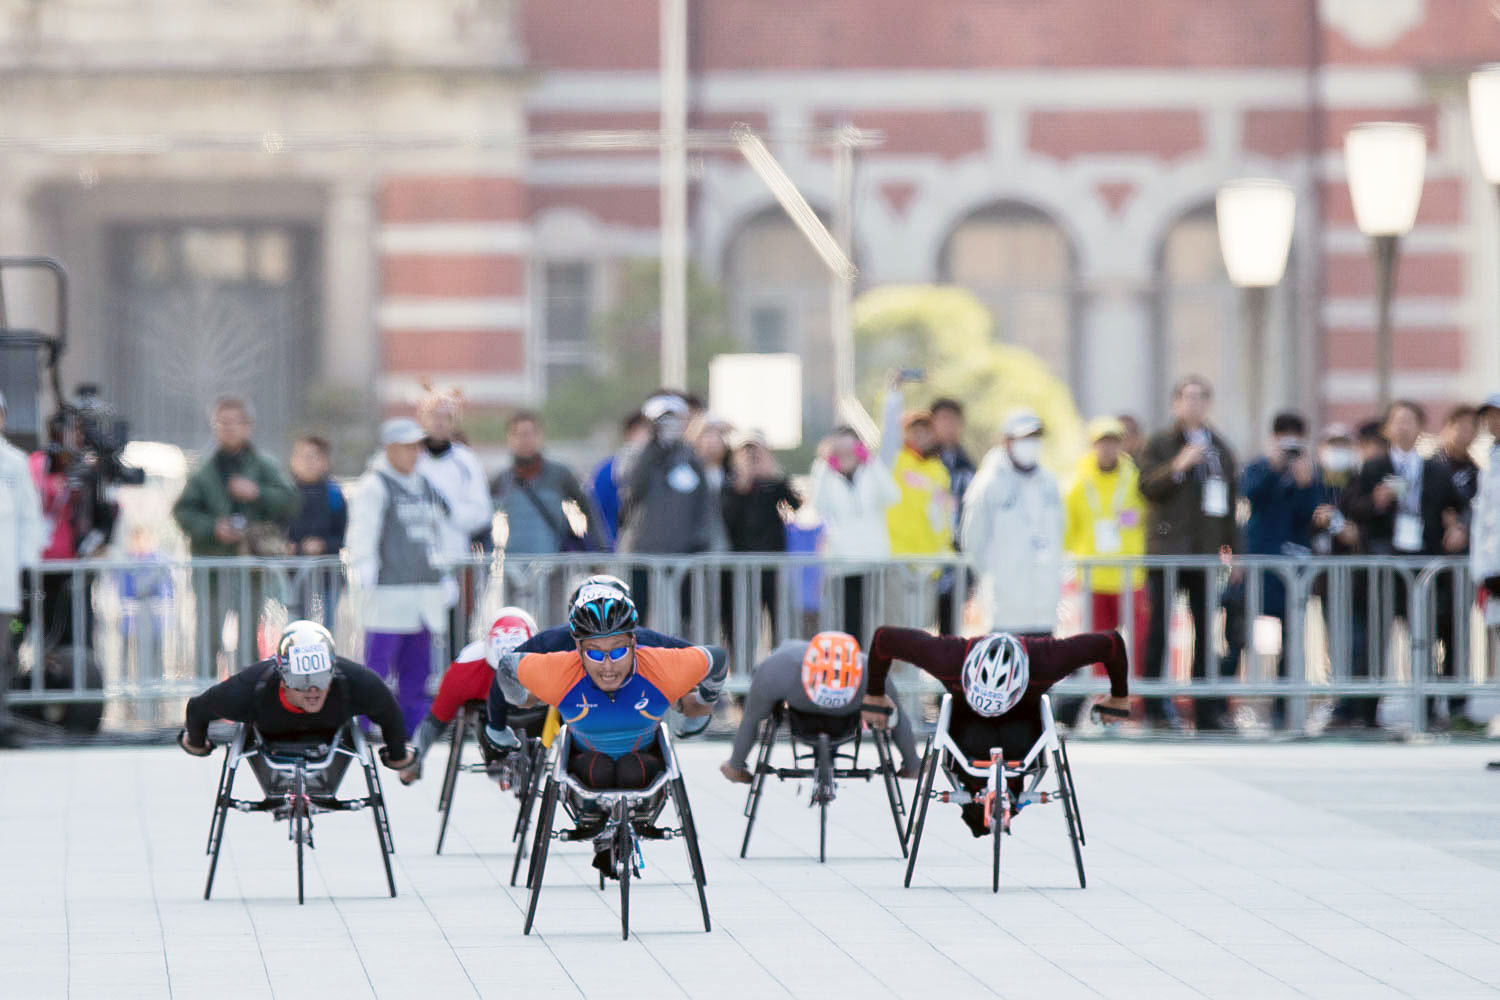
(459, 477)
(1012, 531)
(853, 512)
(1484, 532)
(400, 609)
(22, 532)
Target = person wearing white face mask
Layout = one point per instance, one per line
(664, 497)
(1338, 464)
(1012, 530)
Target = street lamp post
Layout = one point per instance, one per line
(1385, 162)
(1255, 219)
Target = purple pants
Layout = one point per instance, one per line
(405, 661)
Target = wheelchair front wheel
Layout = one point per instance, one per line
(539, 851)
(622, 851)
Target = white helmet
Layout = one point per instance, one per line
(996, 671)
(512, 627)
(304, 655)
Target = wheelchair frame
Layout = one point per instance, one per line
(627, 809)
(824, 760)
(944, 754)
(300, 805)
(522, 768)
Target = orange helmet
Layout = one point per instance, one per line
(831, 669)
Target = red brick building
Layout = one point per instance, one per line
(1059, 158)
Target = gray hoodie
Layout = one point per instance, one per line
(664, 499)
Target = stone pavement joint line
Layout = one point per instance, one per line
(1317, 871)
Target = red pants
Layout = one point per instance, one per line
(464, 681)
(1107, 611)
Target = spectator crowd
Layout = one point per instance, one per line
(683, 481)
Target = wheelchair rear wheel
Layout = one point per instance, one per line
(919, 808)
(539, 851)
(695, 856)
(1075, 828)
(1066, 771)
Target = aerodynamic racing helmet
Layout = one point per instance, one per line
(304, 655)
(996, 671)
(600, 610)
(599, 580)
(831, 669)
(511, 628)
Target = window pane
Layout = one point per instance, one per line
(273, 257)
(569, 303)
(215, 254)
(767, 330)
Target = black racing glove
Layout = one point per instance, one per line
(386, 757)
(1492, 586)
(182, 741)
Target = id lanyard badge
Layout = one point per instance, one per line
(1408, 536)
(1215, 496)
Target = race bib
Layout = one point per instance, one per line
(683, 479)
(1408, 537)
(1215, 497)
(505, 640)
(986, 703)
(1107, 540)
(832, 697)
(309, 660)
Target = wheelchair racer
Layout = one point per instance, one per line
(468, 679)
(559, 639)
(822, 676)
(997, 682)
(612, 693)
(302, 693)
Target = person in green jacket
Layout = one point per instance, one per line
(237, 503)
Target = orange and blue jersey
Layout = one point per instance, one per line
(623, 720)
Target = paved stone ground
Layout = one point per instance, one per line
(1321, 871)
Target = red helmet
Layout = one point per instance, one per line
(511, 628)
(831, 669)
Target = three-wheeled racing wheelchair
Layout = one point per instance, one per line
(825, 748)
(987, 782)
(519, 771)
(298, 779)
(630, 816)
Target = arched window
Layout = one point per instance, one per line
(1020, 263)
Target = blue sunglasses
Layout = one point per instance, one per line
(598, 655)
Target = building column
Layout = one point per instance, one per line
(1118, 370)
(351, 343)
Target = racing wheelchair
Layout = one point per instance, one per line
(964, 775)
(298, 779)
(825, 748)
(515, 771)
(631, 816)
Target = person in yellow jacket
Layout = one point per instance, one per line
(921, 522)
(1105, 516)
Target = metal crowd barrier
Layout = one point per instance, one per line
(1300, 630)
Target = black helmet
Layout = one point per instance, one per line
(601, 610)
(600, 580)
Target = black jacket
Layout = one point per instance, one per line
(254, 696)
(323, 514)
(754, 518)
(1176, 523)
(1379, 527)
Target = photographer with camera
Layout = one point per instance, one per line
(237, 503)
(20, 542)
(1285, 494)
(74, 479)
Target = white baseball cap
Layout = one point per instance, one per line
(1022, 423)
(401, 430)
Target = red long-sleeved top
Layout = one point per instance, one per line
(1051, 660)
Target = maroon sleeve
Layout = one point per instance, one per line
(1054, 659)
(942, 656)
